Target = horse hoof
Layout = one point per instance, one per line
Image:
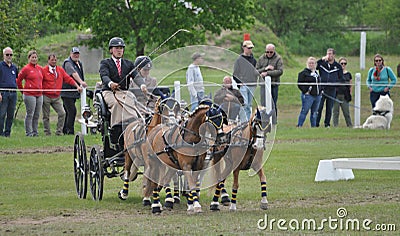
(214, 207)
(156, 210)
(264, 205)
(146, 203)
(177, 200)
(198, 210)
(122, 196)
(169, 205)
(225, 200)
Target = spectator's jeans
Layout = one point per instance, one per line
(309, 102)
(345, 108)
(374, 96)
(194, 100)
(70, 115)
(328, 109)
(248, 95)
(33, 107)
(58, 107)
(7, 109)
(274, 95)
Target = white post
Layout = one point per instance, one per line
(363, 43)
(83, 105)
(357, 100)
(268, 97)
(177, 88)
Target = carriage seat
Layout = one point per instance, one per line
(103, 108)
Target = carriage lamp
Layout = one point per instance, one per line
(87, 114)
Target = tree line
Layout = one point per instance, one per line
(305, 27)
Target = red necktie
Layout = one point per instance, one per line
(119, 67)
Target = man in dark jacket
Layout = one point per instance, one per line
(331, 72)
(270, 64)
(73, 66)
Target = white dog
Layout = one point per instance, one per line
(382, 114)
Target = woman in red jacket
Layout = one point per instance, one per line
(32, 92)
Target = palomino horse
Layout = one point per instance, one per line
(182, 148)
(245, 151)
(167, 111)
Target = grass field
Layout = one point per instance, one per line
(37, 194)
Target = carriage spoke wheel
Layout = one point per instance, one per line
(80, 166)
(96, 173)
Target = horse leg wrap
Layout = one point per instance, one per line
(146, 201)
(177, 200)
(214, 206)
(169, 203)
(217, 193)
(123, 194)
(234, 194)
(225, 199)
(156, 208)
(263, 189)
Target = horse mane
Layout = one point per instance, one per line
(200, 107)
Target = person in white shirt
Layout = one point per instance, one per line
(194, 81)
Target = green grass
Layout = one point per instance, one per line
(37, 192)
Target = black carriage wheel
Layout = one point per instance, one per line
(96, 173)
(80, 166)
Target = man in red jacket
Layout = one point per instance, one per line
(53, 78)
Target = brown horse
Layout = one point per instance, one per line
(245, 151)
(182, 148)
(167, 111)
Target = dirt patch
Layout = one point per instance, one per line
(37, 150)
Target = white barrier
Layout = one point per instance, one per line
(85, 124)
(341, 168)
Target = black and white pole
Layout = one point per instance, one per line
(357, 100)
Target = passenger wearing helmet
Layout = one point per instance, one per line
(144, 81)
(116, 74)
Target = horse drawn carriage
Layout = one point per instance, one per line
(177, 148)
(106, 160)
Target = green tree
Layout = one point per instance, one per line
(150, 22)
(18, 25)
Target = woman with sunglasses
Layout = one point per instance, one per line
(343, 94)
(380, 79)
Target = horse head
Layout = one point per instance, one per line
(169, 109)
(261, 125)
(217, 117)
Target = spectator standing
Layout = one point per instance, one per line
(245, 74)
(53, 78)
(194, 80)
(270, 64)
(230, 99)
(31, 91)
(343, 94)
(8, 93)
(331, 72)
(308, 82)
(380, 79)
(74, 68)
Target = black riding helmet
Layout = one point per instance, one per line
(143, 62)
(116, 42)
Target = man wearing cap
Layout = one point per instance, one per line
(194, 80)
(8, 94)
(73, 66)
(245, 74)
(270, 64)
(116, 74)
